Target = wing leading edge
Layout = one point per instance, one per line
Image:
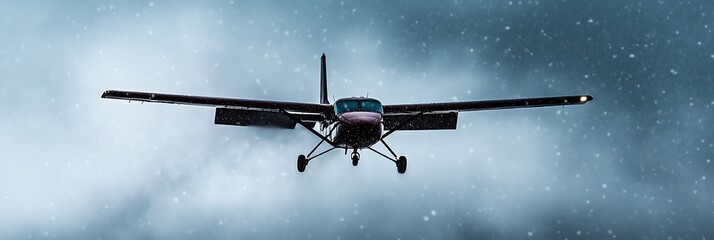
(487, 104)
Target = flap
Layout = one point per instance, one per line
(241, 117)
(428, 121)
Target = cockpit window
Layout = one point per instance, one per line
(372, 106)
(346, 106)
(350, 105)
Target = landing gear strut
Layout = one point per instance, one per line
(401, 161)
(303, 160)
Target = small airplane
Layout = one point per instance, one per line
(354, 123)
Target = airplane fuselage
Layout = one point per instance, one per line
(358, 129)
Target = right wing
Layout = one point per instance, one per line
(235, 111)
(218, 101)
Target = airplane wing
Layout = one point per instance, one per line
(235, 111)
(486, 104)
(437, 116)
(218, 101)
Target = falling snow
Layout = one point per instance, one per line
(635, 163)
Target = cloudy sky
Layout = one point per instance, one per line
(633, 163)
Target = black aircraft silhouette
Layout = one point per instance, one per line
(350, 123)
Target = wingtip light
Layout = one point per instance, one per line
(583, 98)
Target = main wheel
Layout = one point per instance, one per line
(301, 163)
(402, 165)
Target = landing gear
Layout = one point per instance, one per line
(301, 163)
(303, 160)
(355, 158)
(401, 161)
(401, 165)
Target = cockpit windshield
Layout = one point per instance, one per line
(349, 105)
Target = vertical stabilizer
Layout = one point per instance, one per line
(323, 82)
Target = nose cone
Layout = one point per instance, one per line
(361, 118)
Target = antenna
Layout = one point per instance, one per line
(367, 94)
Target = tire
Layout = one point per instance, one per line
(301, 163)
(402, 165)
(355, 159)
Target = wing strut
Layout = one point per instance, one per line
(306, 126)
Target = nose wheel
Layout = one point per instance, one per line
(355, 158)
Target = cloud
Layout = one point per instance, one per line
(77, 166)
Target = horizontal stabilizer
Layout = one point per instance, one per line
(240, 117)
(429, 121)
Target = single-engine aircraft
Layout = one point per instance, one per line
(353, 123)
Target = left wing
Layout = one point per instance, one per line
(487, 104)
(437, 116)
(238, 112)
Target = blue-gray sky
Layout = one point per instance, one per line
(634, 163)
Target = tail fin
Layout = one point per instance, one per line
(323, 82)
